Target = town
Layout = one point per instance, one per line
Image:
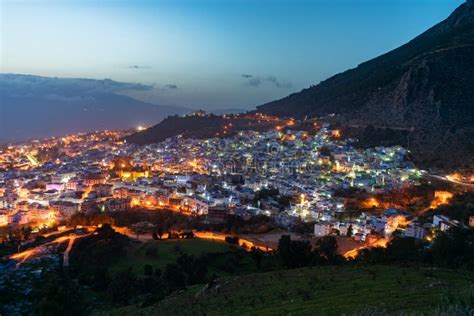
(289, 176)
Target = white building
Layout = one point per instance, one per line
(415, 231)
(323, 229)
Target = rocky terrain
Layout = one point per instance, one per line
(423, 90)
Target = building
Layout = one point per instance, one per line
(64, 209)
(56, 186)
(3, 219)
(93, 178)
(194, 205)
(415, 231)
(323, 229)
(119, 205)
(471, 221)
(444, 223)
(217, 214)
(102, 189)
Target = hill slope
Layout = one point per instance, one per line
(426, 84)
(201, 127)
(316, 291)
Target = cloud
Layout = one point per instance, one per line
(254, 82)
(139, 67)
(278, 83)
(257, 81)
(63, 88)
(171, 86)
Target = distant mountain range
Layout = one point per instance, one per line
(35, 107)
(424, 88)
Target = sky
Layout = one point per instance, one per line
(211, 54)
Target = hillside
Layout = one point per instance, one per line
(317, 291)
(200, 127)
(425, 87)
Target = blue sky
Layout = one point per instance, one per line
(195, 53)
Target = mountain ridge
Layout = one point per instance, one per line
(36, 106)
(425, 84)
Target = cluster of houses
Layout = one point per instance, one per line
(391, 222)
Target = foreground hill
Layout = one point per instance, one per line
(424, 87)
(341, 290)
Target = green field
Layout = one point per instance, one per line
(342, 290)
(159, 253)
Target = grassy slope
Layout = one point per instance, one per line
(315, 291)
(168, 251)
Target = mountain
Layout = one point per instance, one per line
(35, 107)
(227, 111)
(424, 88)
(200, 127)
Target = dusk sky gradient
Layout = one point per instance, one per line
(195, 53)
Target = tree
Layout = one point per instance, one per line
(174, 277)
(159, 232)
(58, 295)
(349, 231)
(122, 287)
(26, 232)
(257, 255)
(294, 253)
(157, 273)
(454, 248)
(232, 240)
(148, 270)
(404, 249)
(327, 247)
(194, 268)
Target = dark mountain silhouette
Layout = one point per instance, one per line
(424, 88)
(35, 107)
(200, 127)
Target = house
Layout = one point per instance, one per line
(217, 214)
(380, 224)
(194, 205)
(102, 189)
(437, 219)
(119, 205)
(415, 231)
(64, 209)
(323, 229)
(444, 223)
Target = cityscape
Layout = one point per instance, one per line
(354, 196)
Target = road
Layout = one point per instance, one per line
(248, 242)
(469, 186)
(45, 249)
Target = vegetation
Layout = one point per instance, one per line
(162, 252)
(195, 276)
(460, 208)
(330, 290)
(451, 249)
